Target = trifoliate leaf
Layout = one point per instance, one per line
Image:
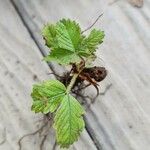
(47, 96)
(91, 42)
(68, 121)
(67, 42)
(49, 34)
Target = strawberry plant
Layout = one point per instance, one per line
(68, 47)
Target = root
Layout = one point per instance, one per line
(80, 86)
(77, 90)
(101, 93)
(88, 28)
(48, 123)
(83, 98)
(43, 141)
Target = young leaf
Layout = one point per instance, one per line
(93, 40)
(68, 121)
(64, 39)
(47, 96)
(49, 34)
(68, 44)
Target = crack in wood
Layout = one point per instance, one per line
(92, 135)
(31, 33)
(54, 146)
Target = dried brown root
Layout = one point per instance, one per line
(82, 87)
(101, 93)
(83, 98)
(77, 90)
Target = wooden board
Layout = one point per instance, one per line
(119, 119)
(21, 65)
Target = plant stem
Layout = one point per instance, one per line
(80, 67)
(72, 82)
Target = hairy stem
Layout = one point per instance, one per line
(72, 82)
(80, 67)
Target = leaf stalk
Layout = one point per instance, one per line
(72, 82)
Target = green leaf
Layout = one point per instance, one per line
(93, 40)
(62, 56)
(49, 34)
(47, 96)
(68, 35)
(68, 121)
(68, 44)
(64, 40)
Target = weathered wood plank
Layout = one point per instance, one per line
(20, 67)
(119, 117)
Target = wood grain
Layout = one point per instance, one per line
(120, 118)
(21, 65)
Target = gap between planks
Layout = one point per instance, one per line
(40, 47)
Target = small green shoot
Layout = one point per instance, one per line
(68, 45)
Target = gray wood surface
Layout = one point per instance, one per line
(119, 119)
(20, 67)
